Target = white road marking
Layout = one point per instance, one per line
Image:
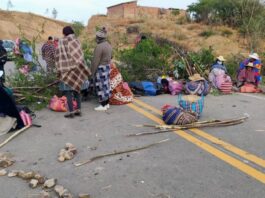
(252, 96)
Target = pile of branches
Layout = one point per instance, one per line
(24, 93)
(193, 62)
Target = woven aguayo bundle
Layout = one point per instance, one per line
(178, 116)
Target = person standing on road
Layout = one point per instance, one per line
(71, 69)
(48, 54)
(101, 69)
(3, 60)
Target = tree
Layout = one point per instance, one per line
(54, 13)
(47, 11)
(9, 5)
(78, 27)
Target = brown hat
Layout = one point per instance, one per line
(196, 77)
(102, 33)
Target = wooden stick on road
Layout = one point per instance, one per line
(118, 153)
(14, 135)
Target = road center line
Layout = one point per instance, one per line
(229, 147)
(210, 149)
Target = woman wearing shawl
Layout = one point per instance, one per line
(71, 69)
(197, 85)
(218, 76)
(247, 75)
(101, 69)
(257, 65)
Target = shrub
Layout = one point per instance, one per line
(201, 60)
(78, 27)
(226, 32)
(182, 20)
(232, 65)
(207, 33)
(133, 29)
(145, 61)
(175, 12)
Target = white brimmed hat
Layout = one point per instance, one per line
(254, 56)
(221, 58)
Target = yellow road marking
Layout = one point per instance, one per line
(244, 154)
(210, 149)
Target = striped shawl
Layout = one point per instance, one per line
(70, 63)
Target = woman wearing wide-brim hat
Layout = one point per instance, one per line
(219, 77)
(257, 65)
(247, 75)
(197, 85)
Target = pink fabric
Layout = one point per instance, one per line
(26, 118)
(247, 76)
(175, 87)
(218, 77)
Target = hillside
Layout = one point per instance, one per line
(29, 23)
(192, 36)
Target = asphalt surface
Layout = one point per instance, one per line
(176, 169)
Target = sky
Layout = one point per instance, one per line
(82, 10)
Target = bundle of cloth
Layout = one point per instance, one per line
(120, 91)
(197, 86)
(219, 77)
(170, 86)
(247, 79)
(177, 116)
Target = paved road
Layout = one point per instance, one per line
(193, 163)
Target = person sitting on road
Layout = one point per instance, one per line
(48, 53)
(257, 65)
(197, 85)
(247, 75)
(218, 76)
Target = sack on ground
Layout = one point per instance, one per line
(59, 104)
(178, 116)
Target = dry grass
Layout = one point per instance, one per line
(185, 34)
(30, 24)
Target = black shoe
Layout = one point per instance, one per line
(69, 115)
(78, 112)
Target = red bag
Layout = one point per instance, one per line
(249, 88)
(60, 104)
